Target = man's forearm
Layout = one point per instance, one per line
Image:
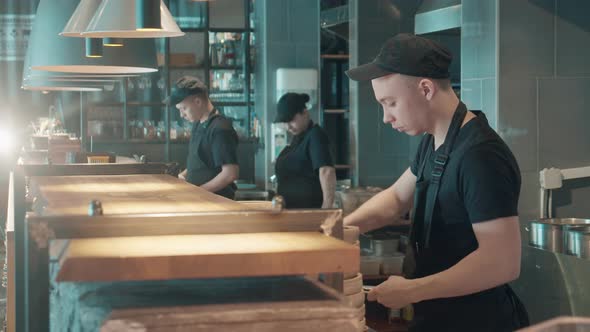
(381, 210)
(486, 267)
(222, 180)
(328, 183)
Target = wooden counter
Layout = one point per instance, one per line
(205, 256)
(124, 194)
(158, 228)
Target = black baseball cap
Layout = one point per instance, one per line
(406, 54)
(289, 105)
(184, 87)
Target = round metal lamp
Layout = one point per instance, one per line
(55, 53)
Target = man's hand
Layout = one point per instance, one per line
(396, 292)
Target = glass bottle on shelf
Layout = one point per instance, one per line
(174, 132)
(234, 83)
(149, 130)
(161, 130)
(230, 56)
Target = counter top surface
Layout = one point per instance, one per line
(124, 194)
(205, 256)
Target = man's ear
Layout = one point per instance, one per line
(427, 88)
(198, 101)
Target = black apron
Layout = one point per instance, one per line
(299, 185)
(197, 171)
(497, 309)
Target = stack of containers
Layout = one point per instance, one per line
(353, 282)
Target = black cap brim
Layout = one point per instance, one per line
(282, 118)
(367, 72)
(177, 96)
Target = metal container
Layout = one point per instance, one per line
(551, 234)
(385, 244)
(578, 242)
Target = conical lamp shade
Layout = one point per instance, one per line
(51, 52)
(116, 18)
(79, 20)
(48, 81)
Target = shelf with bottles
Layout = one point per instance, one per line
(104, 121)
(227, 85)
(218, 48)
(146, 123)
(334, 84)
(145, 89)
(189, 14)
(186, 52)
(226, 49)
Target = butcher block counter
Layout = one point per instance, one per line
(124, 194)
(160, 230)
(174, 256)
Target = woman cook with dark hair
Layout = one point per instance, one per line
(305, 171)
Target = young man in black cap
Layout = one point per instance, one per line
(463, 186)
(304, 169)
(212, 161)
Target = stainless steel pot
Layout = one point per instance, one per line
(578, 241)
(551, 234)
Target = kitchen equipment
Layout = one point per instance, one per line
(353, 285)
(578, 241)
(392, 265)
(550, 234)
(356, 300)
(350, 199)
(370, 265)
(385, 244)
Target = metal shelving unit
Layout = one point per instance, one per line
(142, 97)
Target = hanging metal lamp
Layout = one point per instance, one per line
(132, 19)
(113, 42)
(55, 53)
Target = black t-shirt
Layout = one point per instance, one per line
(219, 144)
(216, 143)
(481, 182)
(297, 168)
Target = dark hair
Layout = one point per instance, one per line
(295, 101)
(197, 87)
(289, 105)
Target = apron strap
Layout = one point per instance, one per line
(440, 163)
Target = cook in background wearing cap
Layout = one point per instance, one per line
(306, 177)
(463, 188)
(212, 161)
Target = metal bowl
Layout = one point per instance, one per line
(578, 241)
(551, 234)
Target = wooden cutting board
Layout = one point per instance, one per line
(123, 194)
(206, 256)
(266, 304)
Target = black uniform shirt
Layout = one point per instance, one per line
(297, 168)
(481, 182)
(215, 142)
(219, 144)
